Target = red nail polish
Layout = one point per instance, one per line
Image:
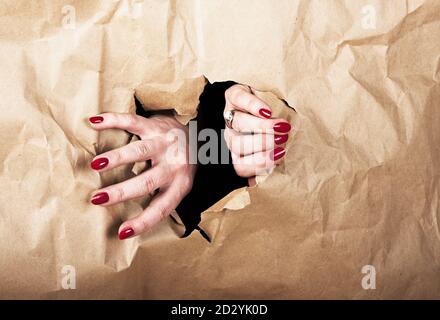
(282, 127)
(100, 198)
(97, 119)
(99, 163)
(278, 153)
(126, 233)
(280, 139)
(265, 113)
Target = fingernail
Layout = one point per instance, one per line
(265, 113)
(99, 163)
(280, 139)
(100, 198)
(97, 119)
(278, 153)
(282, 127)
(126, 233)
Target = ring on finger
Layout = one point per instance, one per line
(228, 115)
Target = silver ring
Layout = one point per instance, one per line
(229, 117)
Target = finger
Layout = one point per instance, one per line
(244, 143)
(247, 123)
(137, 151)
(158, 209)
(257, 163)
(124, 121)
(241, 98)
(136, 187)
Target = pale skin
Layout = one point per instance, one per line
(256, 143)
(173, 178)
(256, 140)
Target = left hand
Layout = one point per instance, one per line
(256, 140)
(171, 172)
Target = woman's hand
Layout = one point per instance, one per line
(255, 140)
(170, 171)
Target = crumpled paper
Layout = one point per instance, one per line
(358, 189)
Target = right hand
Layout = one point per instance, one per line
(171, 172)
(255, 140)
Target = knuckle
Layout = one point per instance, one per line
(131, 119)
(242, 94)
(117, 157)
(162, 211)
(143, 149)
(119, 193)
(229, 91)
(234, 91)
(110, 118)
(150, 183)
(144, 225)
(133, 122)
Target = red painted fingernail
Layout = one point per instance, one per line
(126, 233)
(280, 139)
(282, 127)
(100, 198)
(97, 119)
(278, 153)
(99, 163)
(265, 113)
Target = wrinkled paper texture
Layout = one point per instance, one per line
(359, 185)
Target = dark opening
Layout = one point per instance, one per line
(212, 181)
